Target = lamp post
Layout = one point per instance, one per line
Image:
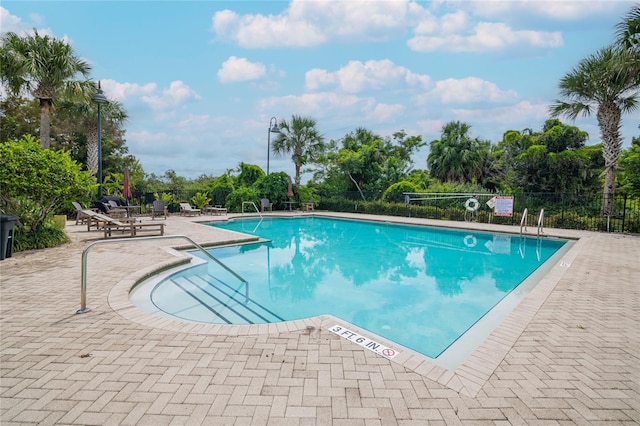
(273, 128)
(100, 99)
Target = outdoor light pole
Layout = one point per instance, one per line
(273, 128)
(100, 99)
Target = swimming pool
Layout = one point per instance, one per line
(421, 287)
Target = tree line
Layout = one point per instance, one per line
(44, 96)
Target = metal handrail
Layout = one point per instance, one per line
(540, 222)
(523, 221)
(254, 206)
(85, 255)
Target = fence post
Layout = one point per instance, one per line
(624, 212)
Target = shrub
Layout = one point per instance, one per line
(235, 199)
(45, 236)
(34, 184)
(306, 193)
(169, 200)
(274, 187)
(221, 188)
(200, 200)
(395, 193)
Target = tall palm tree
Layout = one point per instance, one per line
(628, 40)
(628, 30)
(301, 139)
(456, 157)
(45, 67)
(84, 114)
(602, 84)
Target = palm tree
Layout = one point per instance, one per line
(602, 84)
(628, 40)
(456, 157)
(628, 30)
(301, 139)
(84, 114)
(46, 68)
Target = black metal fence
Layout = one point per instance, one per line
(560, 210)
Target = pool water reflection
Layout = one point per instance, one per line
(421, 287)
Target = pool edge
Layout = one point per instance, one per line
(466, 379)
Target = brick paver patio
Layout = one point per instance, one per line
(568, 354)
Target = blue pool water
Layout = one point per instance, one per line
(421, 287)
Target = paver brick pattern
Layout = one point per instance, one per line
(576, 362)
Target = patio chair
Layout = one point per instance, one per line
(96, 219)
(80, 216)
(128, 228)
(310, 206)
(187, 210)
(159, 209)
(266, 204)
(115, 210)
(217, 210)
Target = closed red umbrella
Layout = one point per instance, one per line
(290, 189)
(126, 190)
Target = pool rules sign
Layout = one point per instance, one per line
(501, 205)
(365, 342)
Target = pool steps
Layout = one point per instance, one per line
(212, 300)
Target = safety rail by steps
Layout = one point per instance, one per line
(523, 222)
(540, 222)
(85, 254)
(254, 206)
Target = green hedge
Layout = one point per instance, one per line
(581, 217)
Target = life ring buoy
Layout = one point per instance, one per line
(472, 205)
(470, 241)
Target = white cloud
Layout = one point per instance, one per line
(194, 120)
(454, 22)
(554, 9)
(523, 111)
(237, 69)
(177, 93)
(486, 36)
(317, 78)
(359, 76)
(431, 127)
(122, 91)
(259, 31)
(466, 90)
(314, 104)
(311, 23)
(12, 23)
(363, 19)
(385, 112)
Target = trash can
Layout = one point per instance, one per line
(7, 223)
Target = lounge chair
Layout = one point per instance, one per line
(310, 206)
(115, 210)
(266, 204)
(129, 228)
(217, 210)
(187, 210)
(159, 209)
(80, 216)
(97, 220)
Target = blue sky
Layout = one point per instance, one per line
(201, 79)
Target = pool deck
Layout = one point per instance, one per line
(568, 354)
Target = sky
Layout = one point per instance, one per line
(201, 80)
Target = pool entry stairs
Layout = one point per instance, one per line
(85, 260)
(214, 301)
